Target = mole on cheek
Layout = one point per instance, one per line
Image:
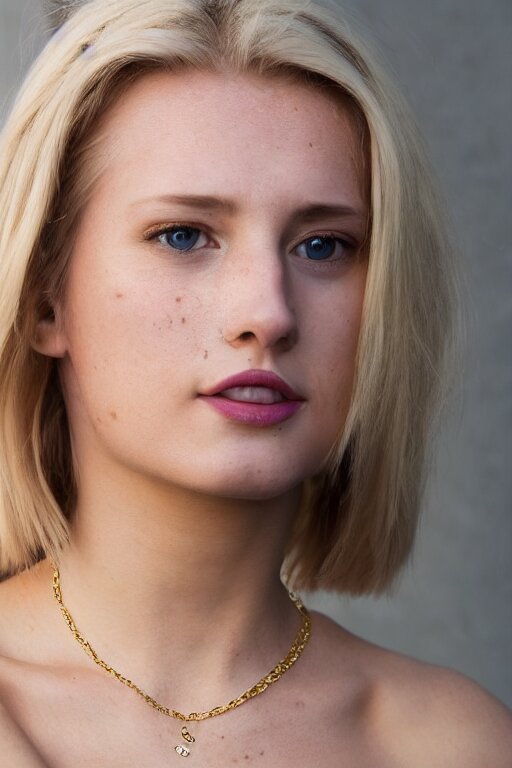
(183, 320)
(178, 299)
(113, 415)
(205, 356)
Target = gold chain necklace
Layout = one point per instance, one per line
(273, 676)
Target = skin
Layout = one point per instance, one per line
(182, 517)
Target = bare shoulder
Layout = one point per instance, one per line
(17, 749)
(448, 717)
(23, 607)
(420, 714)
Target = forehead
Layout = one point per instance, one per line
(222, 132)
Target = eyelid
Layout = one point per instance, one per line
(161, 229)
(329, 233)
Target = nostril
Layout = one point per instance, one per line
(246, 336)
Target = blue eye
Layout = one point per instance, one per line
(180, 238)
(323, 248)
(319, 248)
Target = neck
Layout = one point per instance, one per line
(162, 580)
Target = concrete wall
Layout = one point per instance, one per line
(453, 57)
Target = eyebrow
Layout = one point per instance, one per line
(307, 213)
(201, 202)
(324, 211)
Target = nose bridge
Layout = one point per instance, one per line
(259, 302)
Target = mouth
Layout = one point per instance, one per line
(255, 397)
(261, 395)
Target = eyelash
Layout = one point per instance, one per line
(349, 246)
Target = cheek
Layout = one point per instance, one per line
(124, 309)
(125, 339)
(335, 339)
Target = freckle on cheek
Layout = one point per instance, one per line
(205, 356)
(113, 415)
(178, 299)
(183, 320)
(119, 295)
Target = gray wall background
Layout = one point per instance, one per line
(453, 605)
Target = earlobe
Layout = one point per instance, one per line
(49, 338)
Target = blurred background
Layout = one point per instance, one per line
(453, 58)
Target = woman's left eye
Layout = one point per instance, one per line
(181, 238)
(325, 248)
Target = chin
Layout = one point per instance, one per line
(253, 482)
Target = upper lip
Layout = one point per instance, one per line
(255, 378)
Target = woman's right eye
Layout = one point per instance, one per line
(181, 238)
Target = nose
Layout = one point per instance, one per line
(258, 303)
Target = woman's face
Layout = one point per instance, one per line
(222, 238)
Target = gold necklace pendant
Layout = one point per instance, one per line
(181, 749)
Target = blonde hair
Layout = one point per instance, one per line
(357, 522)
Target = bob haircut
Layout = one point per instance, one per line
(356, 525)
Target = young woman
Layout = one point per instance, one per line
(219, 253)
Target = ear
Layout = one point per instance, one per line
(49, 338)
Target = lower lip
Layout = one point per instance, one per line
(254, 414)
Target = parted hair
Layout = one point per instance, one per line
(357, 522)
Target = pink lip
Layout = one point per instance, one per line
(255, 378)
(254, 414)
